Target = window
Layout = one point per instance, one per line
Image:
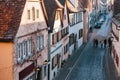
(24, 50)
(32, 77)
(28, 14)
(72, 19)
(71, 39)
(29, 47)
(54, 62)
(40, 42)
(33, 13)
(37, 13)
(64, 32)
(57, 36)
(66, 47)
(80, 33)
(79, 17)
(60, 35)
(19, 51)
(54, 38)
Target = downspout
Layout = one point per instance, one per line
(84, 27)
(49, 55)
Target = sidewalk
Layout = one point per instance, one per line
(110, 67)
(62, 74)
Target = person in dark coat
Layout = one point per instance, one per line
(90, 29)
(109, 42)
(96, 43)
(105, 42)
(101, 44)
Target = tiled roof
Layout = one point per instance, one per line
(116, 7)
(84, 3)
(10, 16)
(116, 20)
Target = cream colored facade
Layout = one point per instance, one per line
(6, 60)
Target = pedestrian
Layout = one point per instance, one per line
(96, 43)
(105, 42)
(109, 43)
(101, 44)
(90, 29)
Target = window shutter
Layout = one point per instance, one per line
(57, 36)
(53, 39)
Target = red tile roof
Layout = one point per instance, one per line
(116, 7)
(10, 17)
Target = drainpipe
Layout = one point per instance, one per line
(49, 47)
(84, 27)
(49, 50)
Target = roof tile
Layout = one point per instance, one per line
(10, 17)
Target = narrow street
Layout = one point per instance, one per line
(90, 64)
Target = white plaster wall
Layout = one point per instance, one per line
(75, 29)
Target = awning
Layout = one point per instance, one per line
(71, 8)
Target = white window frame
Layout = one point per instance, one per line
(24, 50)
(40, 42)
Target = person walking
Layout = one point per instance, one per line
(96, 43)
(105, 42)
(101, 44)
(109, 43)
